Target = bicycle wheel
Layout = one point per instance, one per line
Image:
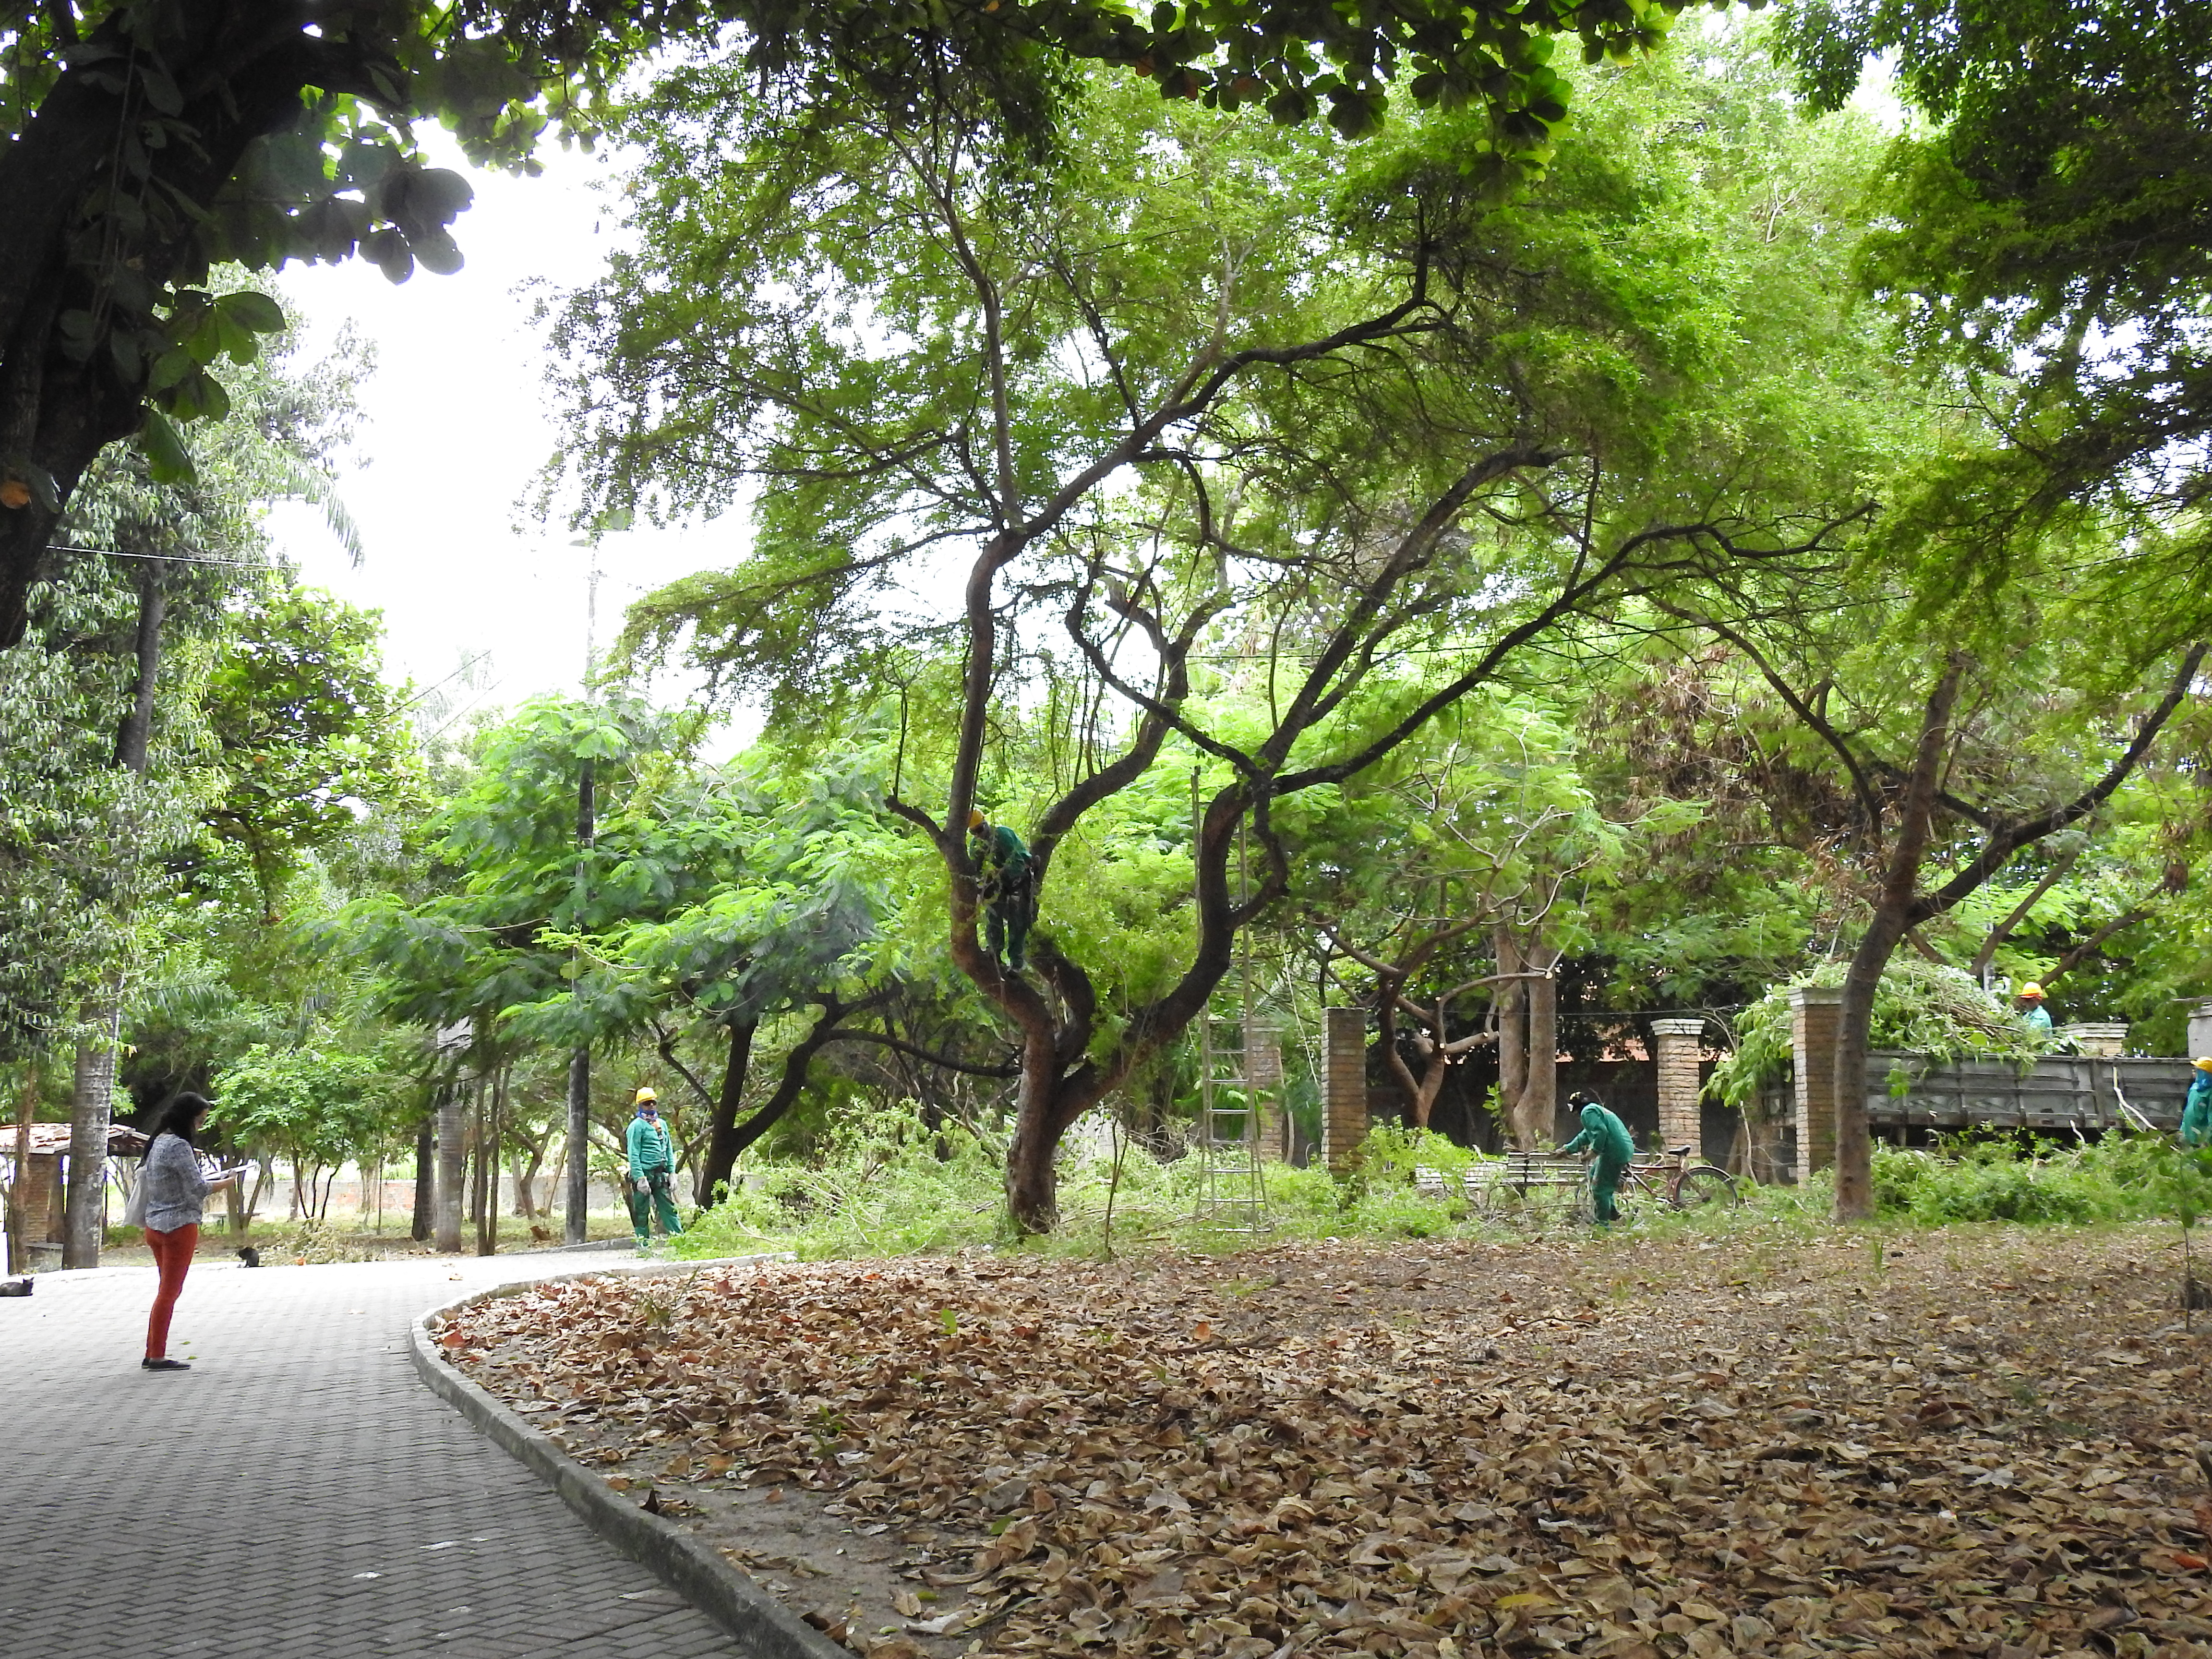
(1635, 1193)
(1701, 1186)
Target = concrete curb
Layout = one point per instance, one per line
(762, 1626)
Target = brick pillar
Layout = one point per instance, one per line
(1679, 1042)
(1263, 1075)
(2200, 1030)
(1344, 1094)
(1814, 1011)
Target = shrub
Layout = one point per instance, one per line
(2001, 1178)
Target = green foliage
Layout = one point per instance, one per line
(1921, 1007)
(881, 1183)
(310, 734)
(309, 1105)
(2122, 1177)
(2048, 249)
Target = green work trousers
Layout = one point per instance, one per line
(644, 1206)
(1605, 1182)
(1007, 929)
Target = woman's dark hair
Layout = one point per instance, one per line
(177, 1119)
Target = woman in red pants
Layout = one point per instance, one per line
(175, 1190)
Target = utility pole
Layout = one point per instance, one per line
(579, 1061)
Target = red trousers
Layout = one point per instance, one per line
(172, 1254)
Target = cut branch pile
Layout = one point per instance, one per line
(1978, 1444)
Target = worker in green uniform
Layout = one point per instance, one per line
(1607, 1137)
(1005, 882)
(652, 1169)
(2032, 1010)
(2197, 1109)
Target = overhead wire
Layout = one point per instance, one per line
(164, 558)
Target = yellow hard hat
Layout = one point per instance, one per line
(2204, 1063)
(2031, 989)
(644, 1095)
(976, 820)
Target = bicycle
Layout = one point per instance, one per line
(1531, 1188)
(1683, 1185)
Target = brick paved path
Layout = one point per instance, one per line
(298, 1492)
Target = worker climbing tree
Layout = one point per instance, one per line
(1006, 885)
(1607, 1138)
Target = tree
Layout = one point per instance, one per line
(148, 143)
(1452, 881)
(314, 1106)
(2013, 733)
(309, 733)
(736, 896)
(186, 544)
(1197, 386)
(2049, 255)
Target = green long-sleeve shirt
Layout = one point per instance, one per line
(1604, 1135)
(2196, 1112)
(649, 1148)
(1004, 862)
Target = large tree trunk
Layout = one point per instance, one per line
(92, 1099)
(453, 1131)
(426, 1145)
(1512, 1038)
(723, 1144)
(1891, 914)
(1538, 1118)
(790, 1085)
(1046, 1103)
(92, 1102)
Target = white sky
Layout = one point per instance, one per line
(455, 427)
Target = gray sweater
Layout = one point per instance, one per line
(175, 1189)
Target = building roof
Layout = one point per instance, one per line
(49, 1139)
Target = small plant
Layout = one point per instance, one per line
(655, 1309)
(828, 1427)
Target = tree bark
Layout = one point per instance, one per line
(452, 1130)
(1042, 1114)
(1512, 1038)
(92, 1100)
(19, 1236)
(491, 1103)
(1539, 1093)
(426, 1147)
(791, 1084)
(722, 1143)
(1892, 915)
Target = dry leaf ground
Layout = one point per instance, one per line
(1974, 1442)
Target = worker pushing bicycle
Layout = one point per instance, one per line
(1606, 1137)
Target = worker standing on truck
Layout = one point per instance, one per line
(2197, 1109)
(1607, 1137)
